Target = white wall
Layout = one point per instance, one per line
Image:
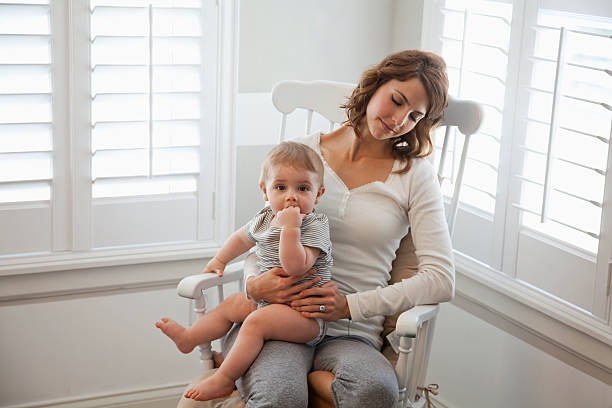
(291, 39)
(406, 25)
(93, 344)
(315, 39)
(478, 364)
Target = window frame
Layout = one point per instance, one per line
(489, 289)
(71, 201)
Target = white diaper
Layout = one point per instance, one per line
(322, 330)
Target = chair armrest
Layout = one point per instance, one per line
(411, 320)
(192, 286)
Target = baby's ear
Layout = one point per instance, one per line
(262, 187)
(319, 194)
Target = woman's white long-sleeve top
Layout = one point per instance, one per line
(366, 225)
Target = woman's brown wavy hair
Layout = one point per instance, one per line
(430, 69)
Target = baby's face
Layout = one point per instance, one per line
(288, 186)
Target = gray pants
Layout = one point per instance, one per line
(278, 378)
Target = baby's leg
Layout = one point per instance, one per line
(211, 326)
(273, 322)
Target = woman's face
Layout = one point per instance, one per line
(395, 108)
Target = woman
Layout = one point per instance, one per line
(378, 186)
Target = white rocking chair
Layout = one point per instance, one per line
(414, 326)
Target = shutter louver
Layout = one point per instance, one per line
(146, 84)
(26, 170)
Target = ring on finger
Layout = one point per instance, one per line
(322, 308)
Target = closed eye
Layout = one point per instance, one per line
(395, 101)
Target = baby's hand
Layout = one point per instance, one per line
(290, 217)
(214, 266)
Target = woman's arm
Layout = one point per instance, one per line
(274, 285)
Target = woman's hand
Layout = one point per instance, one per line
(328, 295)
(276, 286)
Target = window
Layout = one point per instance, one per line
(122, 152)
(534, 206)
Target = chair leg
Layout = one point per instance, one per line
(421, 349)
(405, 362)
(206, 354)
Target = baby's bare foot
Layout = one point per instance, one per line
(215, 386)
(177, 333)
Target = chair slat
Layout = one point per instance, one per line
(283, 128)
(309, 122)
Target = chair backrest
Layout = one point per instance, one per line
(323, 97)
(326, 97)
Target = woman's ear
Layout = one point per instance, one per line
(319, 194)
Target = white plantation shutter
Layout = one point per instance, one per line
(149, 121)
(116, 131)
(564, 168)
(108, 125)
(563, 142)
(26, 126)
(534, 206)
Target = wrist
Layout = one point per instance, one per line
(219, 260)
(248, 288)
(345, 308)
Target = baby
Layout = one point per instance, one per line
(288, 234)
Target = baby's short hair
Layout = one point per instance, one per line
(293, 154)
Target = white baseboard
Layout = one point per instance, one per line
(439, 402)
(157, 397)
(157, 403)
